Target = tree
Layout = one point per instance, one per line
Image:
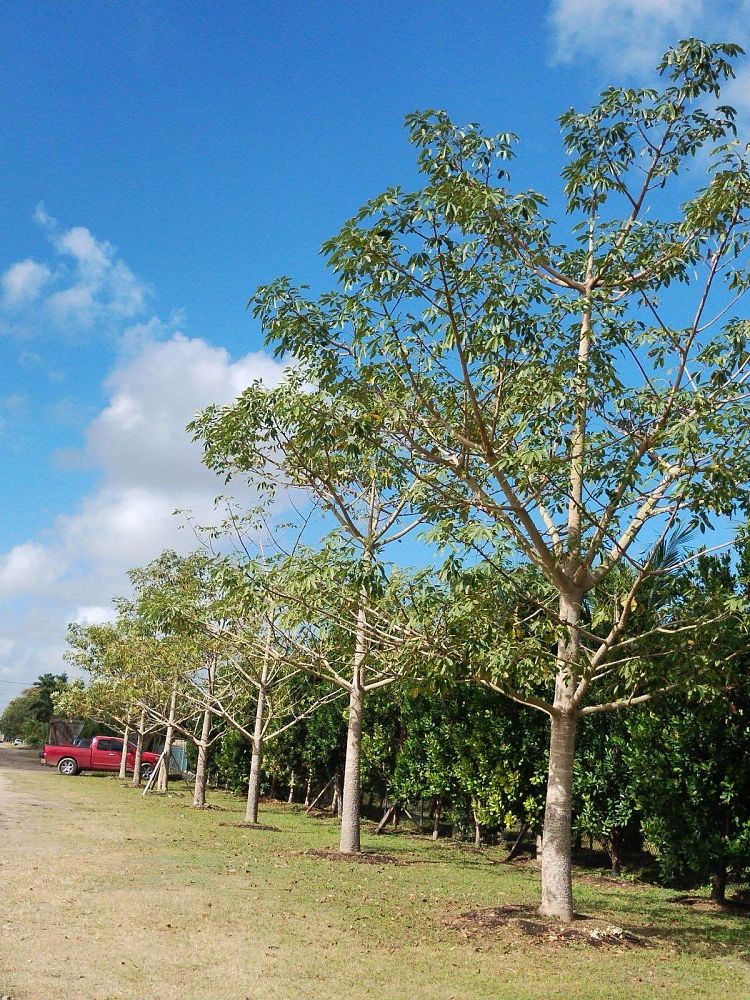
(691, 759)
(222, 615)
(565, 391)
(605, 787)
(693, 784)
(294, 437)
(130, 671)
(28, 716)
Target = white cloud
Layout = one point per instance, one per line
(93, 614)
(629, 36)
(22, 283)
(26, 567)
(85, 284)
(148, 467)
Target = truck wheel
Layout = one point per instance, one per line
(146, 771)
(68, 766)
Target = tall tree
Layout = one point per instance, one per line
(310, 441)
(569, 389)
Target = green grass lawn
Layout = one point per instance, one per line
(200, 908)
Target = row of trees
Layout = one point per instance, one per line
(672, 777)
(541, 416)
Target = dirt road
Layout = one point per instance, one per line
(17, 759)
(83, 877)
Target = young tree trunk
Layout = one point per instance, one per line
(477, 828)
(337, 795)
(163, 779)
(124, 755)
(308, 788)
(719, 883)
(292, 783)
(201, 768)
(350, 835)
(139, 750)
(438, 808)
(557, 880)
(253, 787)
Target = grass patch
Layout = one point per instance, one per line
(110, 894)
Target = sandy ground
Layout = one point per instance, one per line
(97, 905)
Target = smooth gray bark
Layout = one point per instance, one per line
(292, 785)
(349, 809)
(256, 761)
(124, 754)
(163, 779)
(350, 836)
(201, 768)
(477, 828)
(557, 877)
(557, 880)
(139, 750)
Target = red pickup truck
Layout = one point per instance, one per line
(104, 754)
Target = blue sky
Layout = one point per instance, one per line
(162, 159)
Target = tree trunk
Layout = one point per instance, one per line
(253, 787)
(436, 818)
(337, 796)
(477, 829)
(124, 755)
(292, 783)
(350, 835)
(256, 761)
(557, 882)
(139, 750)
(308, 788)
(201, 768)
(615, 851)
(719, 885)
(163, 779)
